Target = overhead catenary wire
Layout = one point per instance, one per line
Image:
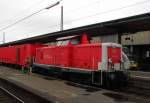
(104, 12)
(100, 13)
(31, 6)
(13, 17)
(52, 5)
(77, 19)
(79, 8)
(83, 7)
(108, 11)
(40, 1)
(72, 11)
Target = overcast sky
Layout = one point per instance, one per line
(76, 13)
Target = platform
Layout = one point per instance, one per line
(61, 91)
(140, 74)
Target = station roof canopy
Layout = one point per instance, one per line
(119, 26)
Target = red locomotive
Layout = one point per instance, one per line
(101, 63)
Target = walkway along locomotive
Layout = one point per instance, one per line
(76, 58)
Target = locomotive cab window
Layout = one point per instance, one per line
(66, 42)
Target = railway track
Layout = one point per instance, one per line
(8, 97)
(139, 85)
(136, 85)
(13, 93)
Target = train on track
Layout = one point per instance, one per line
(73, 57)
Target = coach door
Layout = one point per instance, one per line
(17, 54)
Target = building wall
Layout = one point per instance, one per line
(110, 38)
(139, 38)
(105, 38)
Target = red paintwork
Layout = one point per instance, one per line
(114, 54)
(18, 54)
(26, 51)
(84, 56)
(8, 55)
(54, 55)
(84, 39)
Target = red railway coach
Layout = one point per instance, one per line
(100, 63)
(8, 55)
(21, 55)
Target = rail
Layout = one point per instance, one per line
(8, 97)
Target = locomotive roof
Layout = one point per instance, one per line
(119, 26)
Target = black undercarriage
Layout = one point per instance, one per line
(110, 80)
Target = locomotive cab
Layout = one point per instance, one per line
(113, 65)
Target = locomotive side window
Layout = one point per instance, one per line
(75, 41)
(65, 42)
